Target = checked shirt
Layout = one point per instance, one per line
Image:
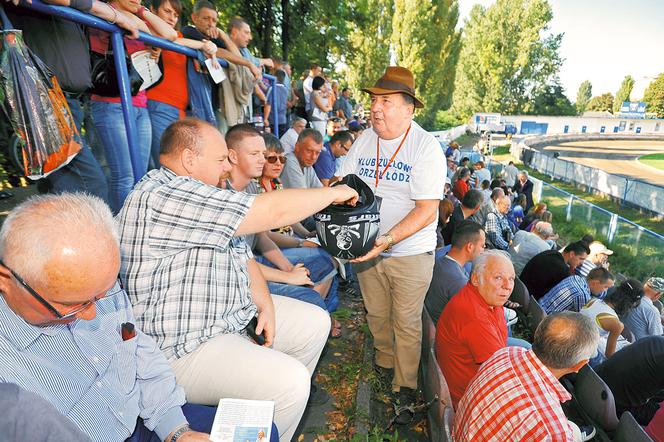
(513, 397)
(184, 271)
(572, 293)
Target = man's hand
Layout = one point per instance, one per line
(194, 436)
(155, 51)
(379, 247)
(299, 275)
(267, 62)
(214, 32)
(128, 24)
(345, 195)
(266, 325)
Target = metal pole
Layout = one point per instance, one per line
(137, 165)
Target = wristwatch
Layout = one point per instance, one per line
(389, 239)
(180, 431)
(300, 242)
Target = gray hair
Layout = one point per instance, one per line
(33, 227)
(544, 229)
(481, 263)
(564, 339)
(297, 120)
(524, 173)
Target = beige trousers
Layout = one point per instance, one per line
(393, 289)
(232, 366)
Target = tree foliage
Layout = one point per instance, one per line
(425, 40)
(552, 102)
(654, 96)
(583, 96)
(623, 93)
(507, 57)
(601, 103)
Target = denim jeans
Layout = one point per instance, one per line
(112, 134)
(200, 418)
(161, 116)
(83, 173)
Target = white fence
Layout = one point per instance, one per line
(638, 193)
(450, 134)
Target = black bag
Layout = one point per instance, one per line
(104, 77)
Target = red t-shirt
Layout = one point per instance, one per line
(173, 88)
(468, 333)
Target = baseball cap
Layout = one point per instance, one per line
(656, 283)
(597, 247)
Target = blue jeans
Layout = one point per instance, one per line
(161, 116)
(83, 173)
(200, 418)
(112, 134)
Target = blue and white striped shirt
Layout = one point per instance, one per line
(572, 293)
(85, 369)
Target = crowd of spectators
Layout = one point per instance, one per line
(216, 242)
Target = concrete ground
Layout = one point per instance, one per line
(613, 156)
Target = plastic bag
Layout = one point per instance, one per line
(31, 98)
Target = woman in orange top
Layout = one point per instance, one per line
(168, 100)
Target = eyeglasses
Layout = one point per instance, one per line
(76, 310)
(273, 159)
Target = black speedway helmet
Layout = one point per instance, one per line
(349, 232)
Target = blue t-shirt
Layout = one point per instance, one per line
(326, 163)
(282, 96)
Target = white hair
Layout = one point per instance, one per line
(481, 263)
(31, 229)
(297, 120)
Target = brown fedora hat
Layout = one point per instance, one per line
(395, 80)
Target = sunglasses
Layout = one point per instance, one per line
(273, 159)
(70, 314)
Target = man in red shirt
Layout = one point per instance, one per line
(472, 326)
(516, 394)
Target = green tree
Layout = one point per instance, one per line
(583, 96)
(654, 96)
(369, 44)
(507, 57)
(425, 40)
(623, 93)
(601, 103)
(553, 102)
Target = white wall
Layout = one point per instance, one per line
(593, 125)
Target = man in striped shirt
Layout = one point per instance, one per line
(573, 292)
(516, 394)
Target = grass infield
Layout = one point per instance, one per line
(655, 160)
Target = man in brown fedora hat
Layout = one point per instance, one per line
(405, 167)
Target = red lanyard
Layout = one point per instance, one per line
(389, 163)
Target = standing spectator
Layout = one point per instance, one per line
(510, 174)
(277, 117)
(107, 111)
(319, 105)
(516, 394)
(289, 138)
(606, 313)
(548, 268)
(472, 326)
(528, 244)
(525, 186)
(72, 70)
(337, 147)
(449, 273)
(645, 319)
(481, 174)
(343, 106)
(334, 125)
(405, 167)
(598, 257)
(470, 204)
(307, 85)
(498, 232)
(460, 187)
(168, 100)
(573, 292)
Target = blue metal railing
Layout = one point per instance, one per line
(116, 34)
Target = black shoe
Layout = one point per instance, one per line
(384, 376)
(317, 396)
(405, 407)
(587, 432)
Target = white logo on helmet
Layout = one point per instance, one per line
(344, 235)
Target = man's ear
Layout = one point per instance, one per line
(188, 159)
(5, 279)
(232, 157)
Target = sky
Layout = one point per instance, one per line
(604, 40)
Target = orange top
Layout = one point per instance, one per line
(173, 88)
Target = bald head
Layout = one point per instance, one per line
(184, 134)
(564, 340)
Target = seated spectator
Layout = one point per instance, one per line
(573, 292)
(277, 118)
(481, 174)
(645, 319)
(298, 171)
(66, 332)
(516, 395)
(498, 232)
(472, 326)
(449, 275)
(337, 147)
(195, 287)
(334, 125)
(484, 186)
(445, 210)
(634, 375)
(488, 206)
(460, 186)
(107, 112)
(598, 257)
(528, 244)
(606, 314)
(27, 416)
(289, 139)
(516, 213)
(470, 204)
(533, 215)
(548, 268)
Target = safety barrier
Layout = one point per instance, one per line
(116, 35)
